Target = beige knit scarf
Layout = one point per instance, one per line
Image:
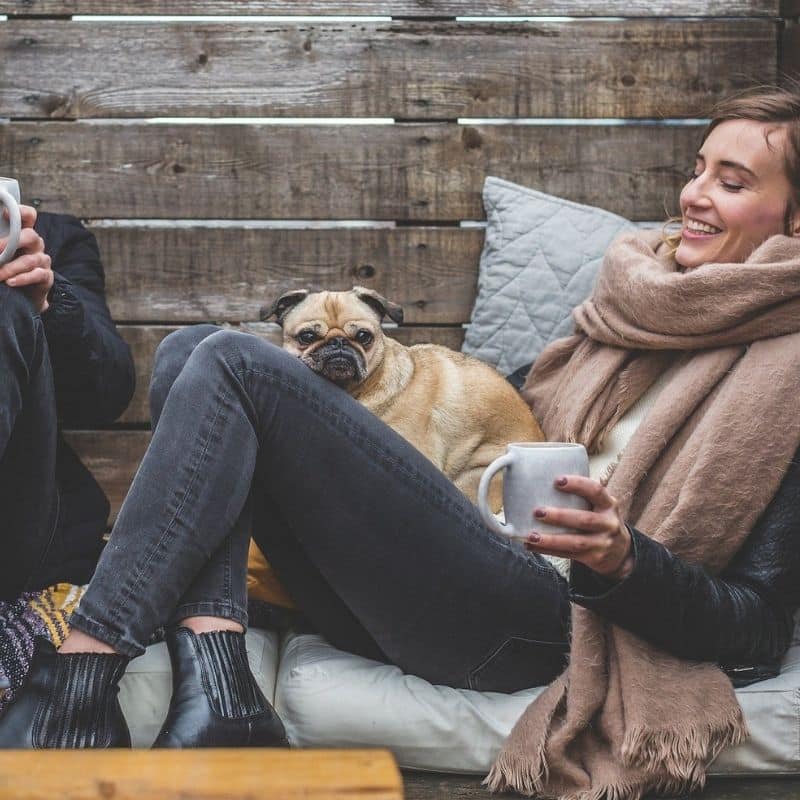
(626, 718)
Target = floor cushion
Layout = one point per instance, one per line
(146, 687)
(328, 698)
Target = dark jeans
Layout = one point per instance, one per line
(380, 551)
(28, 428)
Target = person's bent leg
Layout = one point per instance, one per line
(63, 702)
(396, 542)
(217, 598)
(28, 424)
(216, 701)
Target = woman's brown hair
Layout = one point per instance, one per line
(771, 105)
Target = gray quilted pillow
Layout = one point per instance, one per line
(539, 261)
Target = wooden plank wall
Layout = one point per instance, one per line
(200, 221)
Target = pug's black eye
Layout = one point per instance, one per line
(364, 337)
(306, 337)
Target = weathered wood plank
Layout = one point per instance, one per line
(417, 172)
(422, 70)
(223, 274)
(144, 340)
(113, 458)
(790, 8)
(405, 8)
(790, 52)
(222, 774)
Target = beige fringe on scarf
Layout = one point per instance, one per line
(626, 718)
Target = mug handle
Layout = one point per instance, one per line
(504, 529)
(15, 223)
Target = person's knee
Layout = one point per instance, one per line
(230, 354)
(239, 351)
(170, 357)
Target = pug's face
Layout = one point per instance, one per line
(336, 334)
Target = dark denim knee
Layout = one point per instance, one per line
(170, 358)
(20, 326)
(240, 351)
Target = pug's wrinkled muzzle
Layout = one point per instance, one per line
(340, 362)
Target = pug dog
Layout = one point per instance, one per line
(456, 410)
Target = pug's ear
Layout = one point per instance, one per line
(384, 307)
(283, 305)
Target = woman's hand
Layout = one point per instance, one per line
(601, 540)
(30, 268)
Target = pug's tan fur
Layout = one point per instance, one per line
(456, 410)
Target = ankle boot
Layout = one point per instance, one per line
(67, 701)
(215, 699)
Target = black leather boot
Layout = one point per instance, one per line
(215, 699)
(68, 700)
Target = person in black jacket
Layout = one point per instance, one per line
(385, 556)
(62, 362)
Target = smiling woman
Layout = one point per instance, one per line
(740, 193)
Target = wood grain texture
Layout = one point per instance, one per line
(144, 339)
(179, 774)
(790, 8)
(418, 172)
(113, 457)
(229, 275)
(405, 8)
(790, 52)
(411, 70)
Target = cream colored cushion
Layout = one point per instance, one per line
(146, 688)
(328, 698)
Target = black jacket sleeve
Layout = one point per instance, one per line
(92, 366)
(741, 618)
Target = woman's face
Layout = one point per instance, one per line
(737, 196)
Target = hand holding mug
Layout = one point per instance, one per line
(547, 485)
(29, 267)
(600, 539)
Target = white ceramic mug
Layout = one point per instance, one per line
(530, 472)
(9, 228)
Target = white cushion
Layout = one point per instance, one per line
(146, 687)
(328, 698)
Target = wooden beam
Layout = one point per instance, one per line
(144, 339)
(113, 458)
(790, 8)
(790, 52)
(411, 70)
(384, 172)
(404, 8)
(230, 274)
(177, 774)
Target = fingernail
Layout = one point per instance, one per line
(539, 513)
(534, 537)
(562, 481)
